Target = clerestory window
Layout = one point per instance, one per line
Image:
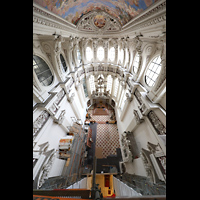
(89, 54)
(112, 54)
(100, 53)
(109, 83)
(153, 71)
(92, 85)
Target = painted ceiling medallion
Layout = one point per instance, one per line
(99, 21)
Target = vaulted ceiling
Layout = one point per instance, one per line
(73, 10)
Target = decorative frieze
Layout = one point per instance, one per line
(137, 117)
(157, 124)
(54, 107)
(50, 156)
(40, 122)
(60, 96)
(61, 117)
(125, 143)
(162, 162)
(138, 96)
(159, 157)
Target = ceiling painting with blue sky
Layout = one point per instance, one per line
(73, 10)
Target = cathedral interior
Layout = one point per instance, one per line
(99, 99)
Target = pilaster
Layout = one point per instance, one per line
(126, 107)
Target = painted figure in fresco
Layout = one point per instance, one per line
(99, 21)
(73, 10)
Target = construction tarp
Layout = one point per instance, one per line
(123, 190)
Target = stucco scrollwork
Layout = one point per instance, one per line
(89, 22)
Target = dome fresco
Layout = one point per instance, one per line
(73, 10)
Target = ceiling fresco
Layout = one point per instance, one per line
(73, 10)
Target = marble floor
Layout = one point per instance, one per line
(108, 139)
(107, 136)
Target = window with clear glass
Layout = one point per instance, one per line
(109, 83)
(63, 63)
(100, 53)
(112, 54)
(136, 63)
(42, 71)
(89, 54)
(79, 56)
(126, 58)
(153, 71)
(92, 85)
(121, 55)
(116, 87)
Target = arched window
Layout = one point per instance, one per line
(121, 55)
(100, 53)
(89, 54)
(92, 85)
(153, 71)
(109, 83)
(127, 55)
(111, 54)
(136, 63)
(116, 87)
(79, 56)
(63, 63)
(42, 71)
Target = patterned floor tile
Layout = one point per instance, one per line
(107, 136)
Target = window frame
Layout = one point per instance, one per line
(61, 62)
(92, 83)
(91, 55)
(109, 54)
(135, 57)
(154, 72)
(103, 56)
(109, 83)
(79, 55)
(116, 87)
(121, 55)
(49, 69)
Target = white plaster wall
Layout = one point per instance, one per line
(136, 167)
(52, 134)
(79, 108)
(65, 105)
(144, 134)
(162, 102)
